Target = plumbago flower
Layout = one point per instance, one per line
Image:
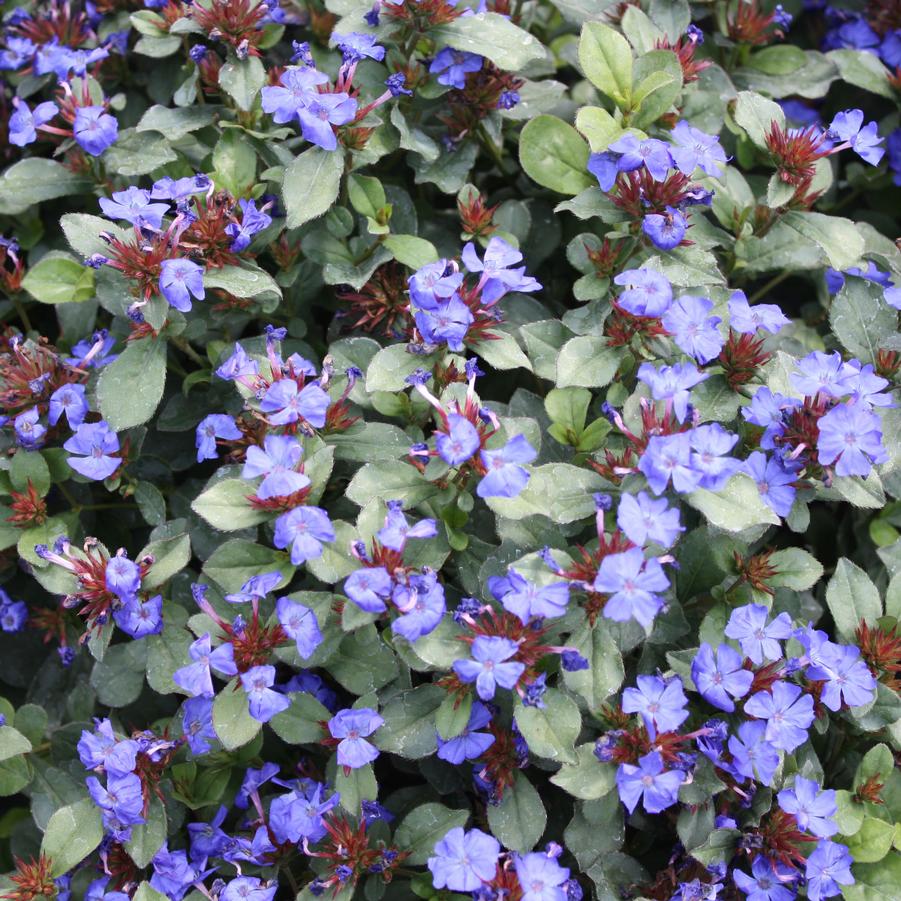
(426, 472)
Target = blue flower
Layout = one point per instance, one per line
(101, 748)
(770, 880)
(277, 461)
(768, 410)
(666, 230)
(758, 640)
(632, 583)
(540, 877)
(30, 431)
(720, 677)
(672, 384)
(68, 401)
(774, 482)
(693, 330)
(788, 712)
(216, 425)
(355, 47)
(649, 783)
(748, 320)
(299, 623)
(24, 122)
(122, 797)
(491, 665)
(828, 868)
(94, 129)
(133, 205)
(661, 703)
(460, 442)
(851, 437)
(604, 167)
(94, 442)
(709, 443)
(693, 148)
(397, 531)
(286, 403)
(811, 807)
(369, 588)
(13, 616)
(669, 457)
(448, 322)
(197, 723)
(820, 372)
(864, 140)
(847, 677)
(421, 604)
(648, 292)
(505, 477)
(320, 113)
(753, 757)
(167, 188)
(654, 155)
(255, 588)
(139, 618)
(498, 278)
(352, 727)
(304, 529)
(642, 519)
(434, 283)
(173, 875)
(263, 702)
(180, 280)
(527, 600)
(94, 352)
(452, 66)
(196, 678)
(248, 888)
(464, 860)
(252, 222)
(470, 743)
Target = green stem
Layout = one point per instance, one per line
(189, 351)
(777, 279)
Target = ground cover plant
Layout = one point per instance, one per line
(450, 450)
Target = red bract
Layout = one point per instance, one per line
(795, 153)
(381, 305)
(56, 22)
(749, 24)
(237, 22)
(29, 508)
(741, 358)
(880, 647)
(32, 879)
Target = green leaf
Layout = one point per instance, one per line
(557, 490)
(147, 838)
(851, 597)
(366, 195)
(355, 787)
(551, 730)
(170, 556)
(119, 677)
(139, 153)
(311, 185)
(605, 664)
(875, 881)
(72, 833)
(518, 821)
(243, 281)
(587, 778)
(168, 651)
(795, 569)
(493, 36)
(34, 180)
(872, 841)
(736, 508)
(598, 127)
(131, 387)
(412, 252)
(388, 481)
(234, 167)
(29, 467)
(453, 715)
(755, 114)
(146, 892)
(12, 743)
(861, 319)
(421, 829)
(300, 723)
(235, 561)
(658, 80)
(838, 238)
(863, 70)
(242, 80)
(59, 278)
(409, 729)
(587, 362)
(234, 725)
(554, 155)
(780, 60)
(178, 122)
(226, 507)
(151, 502)
(606, 60)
